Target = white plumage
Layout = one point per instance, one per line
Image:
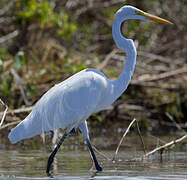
(68, 103)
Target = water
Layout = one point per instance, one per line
(27, 161)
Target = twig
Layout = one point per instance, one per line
(10, 124)
(107, 58)
(141, 137)
(110, 3)
(7, 7)
(176, 124)
(18, 111)
(164, 75)
(154, 56)
(6, 19)
(95, 5)
(123, 138)
(46, 53)
(158, 139)
(9, 36)
(21, 86)
(4, 113)
(161, 148)
(167, 46)
(160, 85)
(96, 150)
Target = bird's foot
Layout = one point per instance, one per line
(49, 175)
(99, 168)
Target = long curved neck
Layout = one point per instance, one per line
(127, 45)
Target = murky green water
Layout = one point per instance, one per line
(25, 161)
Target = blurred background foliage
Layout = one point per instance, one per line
(42, 42)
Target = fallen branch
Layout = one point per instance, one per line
(9, 36)
(4, 113)
(163, 75)
(20, 84)
(123, 138)
(167, 46)
(10, 124)
(92, 5)
(150, 84)
(6, 19)
(167, 145)
(154, 56)
(7, 7)
(107, 58)
(18, 111)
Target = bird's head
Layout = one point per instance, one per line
(131, 12)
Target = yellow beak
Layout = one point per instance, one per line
(154, 18)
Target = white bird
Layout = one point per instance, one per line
(69, 103)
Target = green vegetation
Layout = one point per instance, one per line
(41, 12)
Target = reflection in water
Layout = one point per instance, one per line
(26, 161)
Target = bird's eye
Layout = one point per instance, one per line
(139, 12)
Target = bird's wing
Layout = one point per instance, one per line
(66, 104)
(83, 95)
(71, 101)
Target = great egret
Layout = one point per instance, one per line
(69, 103)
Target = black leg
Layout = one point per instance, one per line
(51, 157)
(97, 166)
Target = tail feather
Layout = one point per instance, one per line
(15, 134)
(35, 123)
(29, 127)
